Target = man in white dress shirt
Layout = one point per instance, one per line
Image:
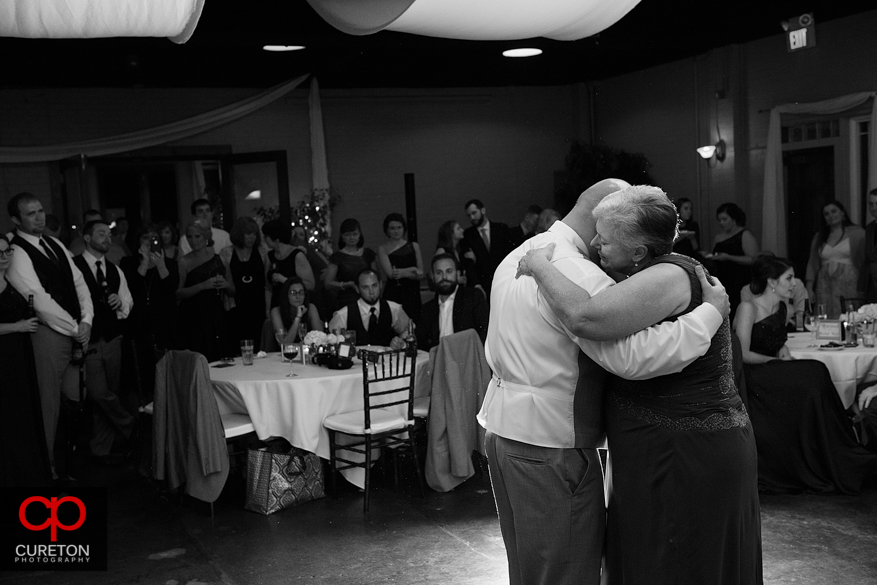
(376, 321)
(543, 407)
(202, 211)
(42, 267)
(112, 302)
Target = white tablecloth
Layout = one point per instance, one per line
(848, 367)
(294, 408)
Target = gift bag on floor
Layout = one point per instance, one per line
(278, 480)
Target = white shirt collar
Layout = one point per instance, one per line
(30, 238)
(563, 230)
(365, 308)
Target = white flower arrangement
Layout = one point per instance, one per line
(316, 338)
(333, 339)
(869, 311)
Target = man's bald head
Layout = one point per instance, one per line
(581, 218)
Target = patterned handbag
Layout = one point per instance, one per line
(278, 480)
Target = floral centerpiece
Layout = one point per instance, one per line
(868, 312)
(321, 342)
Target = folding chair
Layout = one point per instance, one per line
(386, 419)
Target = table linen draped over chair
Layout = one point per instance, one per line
(459, 379)
(188, 435)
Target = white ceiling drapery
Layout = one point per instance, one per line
(773, 229)
(477, 20)
(150, 136)
(64, 19)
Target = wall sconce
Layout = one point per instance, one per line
(716, 150)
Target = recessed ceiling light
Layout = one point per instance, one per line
(528, 52)
(281, 48)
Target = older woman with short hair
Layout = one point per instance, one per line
(204, 281)
(683, 451)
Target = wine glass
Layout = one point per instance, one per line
(280, 335)
(290, 352)
(810, 322)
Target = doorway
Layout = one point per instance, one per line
(809, 181)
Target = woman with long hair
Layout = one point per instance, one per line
(805, 441)
(451, 241)
(284, 260)
(345, 265)
(837, 260)
(296, 310)
(168, 238)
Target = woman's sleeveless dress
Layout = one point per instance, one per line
(805, 440)
(732, 275)
(684, 507)
(249, 283)
(838, 277)
(205, 328)
(404, 291)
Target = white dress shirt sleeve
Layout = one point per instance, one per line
(400, 318)
(124, 296)
(339, 319)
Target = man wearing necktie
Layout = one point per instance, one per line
(376, 321)
(490, 240)
(103, 363)
(43, 267)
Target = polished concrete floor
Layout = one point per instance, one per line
(450, 538)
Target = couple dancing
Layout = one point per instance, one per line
(646, 363)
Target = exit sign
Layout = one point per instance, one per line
(800, 33)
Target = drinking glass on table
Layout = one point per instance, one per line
(280, 335)
(290, 352)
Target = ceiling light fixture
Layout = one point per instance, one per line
(282, 48)
(253, 195)
(522, 52)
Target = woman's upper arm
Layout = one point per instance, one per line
(384, 261)
(331, 273)
(632, 305)
(316, 323)
(743, 322)
(750, 244)
(418, 256)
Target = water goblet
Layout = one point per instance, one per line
(290, 352)
(280, 335)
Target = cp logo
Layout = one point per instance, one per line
(52, 506)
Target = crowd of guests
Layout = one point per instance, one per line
(115, 297)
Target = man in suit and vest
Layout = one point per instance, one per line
(489, 240)
(871, 250)
(376, 321)
(453, 309)
(112, 302)
(42, 267)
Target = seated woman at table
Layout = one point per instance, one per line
(295, 310)
(804, 438)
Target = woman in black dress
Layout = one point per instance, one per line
(284, 260)
(204, 280)
(153, 323)
(402, 266)
(346, 264)
(248, 274)
(684, 506)
(24, 458)
(734, 252)
(805, 440)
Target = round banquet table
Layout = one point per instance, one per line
(848, 367)
(294, 408)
